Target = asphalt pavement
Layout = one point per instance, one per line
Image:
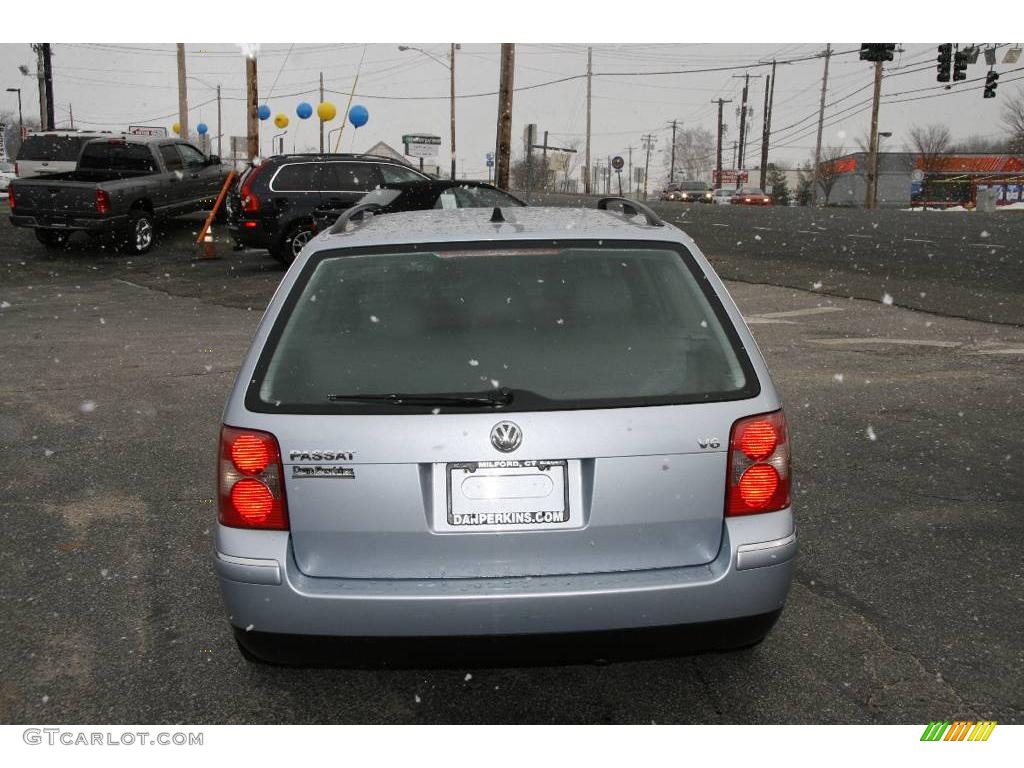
(908, 604)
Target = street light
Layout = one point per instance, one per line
(21, 123)
(450, 66)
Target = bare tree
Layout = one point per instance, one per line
(828, 169)
(695, 153)
(931, 144)
(1013, 121)
(980, 144)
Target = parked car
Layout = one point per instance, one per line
(519, 421)
(750, 196)
(274, 204)
(122, 187)
(7, 175)
(47, 152)
(424, 195)
(722, 196)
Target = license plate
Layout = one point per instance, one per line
(57, 221)
(508, 495)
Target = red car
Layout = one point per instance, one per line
(750, 196)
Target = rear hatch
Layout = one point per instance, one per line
(561, 408)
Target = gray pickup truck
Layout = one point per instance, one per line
(122, 187)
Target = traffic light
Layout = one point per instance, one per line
(960, 65)
(877, 51)
(945, 60)
(991, 81)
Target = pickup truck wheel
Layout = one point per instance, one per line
(52, 238)
(292, 243)
(141, 232)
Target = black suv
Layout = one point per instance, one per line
(274, 204)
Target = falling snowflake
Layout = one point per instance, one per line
(47, 453)
(703, 323)
(984, 233)
(560, 321)
(5, 304)
(88, 406)
(468, 677)
(474, 363)
(102, 321)
(374, 319)
(104, 572)
(208, 368)
(417, 698)
(816, 285)
(250, 628)
(435, 411)
(838, 377)
(870, 432)
(887, 299)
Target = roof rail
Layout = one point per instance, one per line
(355, 212)
(632, 208)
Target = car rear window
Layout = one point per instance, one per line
(562, 325)
(51, 148)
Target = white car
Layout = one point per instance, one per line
(722, 196)
(6, 175)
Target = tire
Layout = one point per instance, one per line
(297, 235)
(52, 238)
(141, 232)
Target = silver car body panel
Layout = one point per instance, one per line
(646, 544)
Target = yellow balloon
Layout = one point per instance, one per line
(176, 127)
(281, 121)
(326, 111)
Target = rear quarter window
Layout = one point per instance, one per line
(51, 148)
(563, 326)
(117, 156)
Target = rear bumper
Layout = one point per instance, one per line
(259, 236)
(264, 591)
(72, 223)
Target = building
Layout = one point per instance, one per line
(383, 149)
(907, 179)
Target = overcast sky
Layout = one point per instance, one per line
(112, 85)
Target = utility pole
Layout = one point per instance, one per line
(718, 155)
(451, 66)
(40, 78)
(71, 116)
(590, 76)
(252, 121)
(503, 147)
(734, 145)
(182, 94)
(871, 195)
(48, 84)
(821, 125)
(769, 101)
(318, 116)
(220, 130)
(743, 117)
(672, 162)
(649, 140)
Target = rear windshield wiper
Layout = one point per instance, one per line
(498, 399)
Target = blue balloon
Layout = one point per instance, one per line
(358, 115)
(201, 128)
(263, 112)
(304, 110)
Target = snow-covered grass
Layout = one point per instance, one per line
(961, 209)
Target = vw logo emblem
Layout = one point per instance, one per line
(506, 436)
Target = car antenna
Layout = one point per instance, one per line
(497, 217)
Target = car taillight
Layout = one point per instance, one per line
(250, 202)
(102, 201)
(10, 197)
(250, 480)
(757, 477)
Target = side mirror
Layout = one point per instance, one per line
(213, 160)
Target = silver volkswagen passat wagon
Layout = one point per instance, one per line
(476, 423)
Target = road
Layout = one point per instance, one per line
(907, 606)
